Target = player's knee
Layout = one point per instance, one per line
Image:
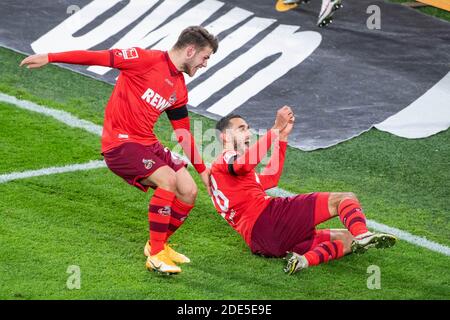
(336, 198)
(191, 194)
(348, 195)
(169, 183)
(194, 193)
(188, 193)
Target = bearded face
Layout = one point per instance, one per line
(239, 134)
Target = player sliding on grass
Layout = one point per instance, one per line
(151, 82)
(274, 226)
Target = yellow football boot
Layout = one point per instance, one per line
(161, 263)
(172, 254)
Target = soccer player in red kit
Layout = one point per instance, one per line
(275, 226)
(151, 82)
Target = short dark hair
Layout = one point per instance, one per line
(224, 122)
(198, 36)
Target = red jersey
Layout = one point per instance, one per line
(148, 85)
(238, 191)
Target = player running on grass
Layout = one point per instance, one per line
(151, 82)
(274, 226)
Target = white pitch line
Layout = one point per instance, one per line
(75, 122)
(423, 242)
(52, 170)
(59, 115)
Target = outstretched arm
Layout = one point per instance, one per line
(133, 60)
(83, 57)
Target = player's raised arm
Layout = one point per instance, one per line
(253, 156)
(271, 174)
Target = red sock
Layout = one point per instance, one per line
(325, 251)
(352, 217)
(180, 211)
(159, 212)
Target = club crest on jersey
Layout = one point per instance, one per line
(156, 100)
(165, 211)
(173, 98)
(148, 164)
(130, 54)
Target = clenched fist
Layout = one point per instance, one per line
(284, 116)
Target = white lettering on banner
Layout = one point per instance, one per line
(150, 22)
(234, 41)
(170, 31)
(61, 37)
(293, 46)
(166, 35)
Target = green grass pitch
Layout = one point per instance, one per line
(94, 220)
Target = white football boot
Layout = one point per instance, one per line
(368, 240)
(327, 11)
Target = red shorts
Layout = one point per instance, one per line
(288, 224)
(134, 161)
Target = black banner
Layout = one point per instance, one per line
(374, 60)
